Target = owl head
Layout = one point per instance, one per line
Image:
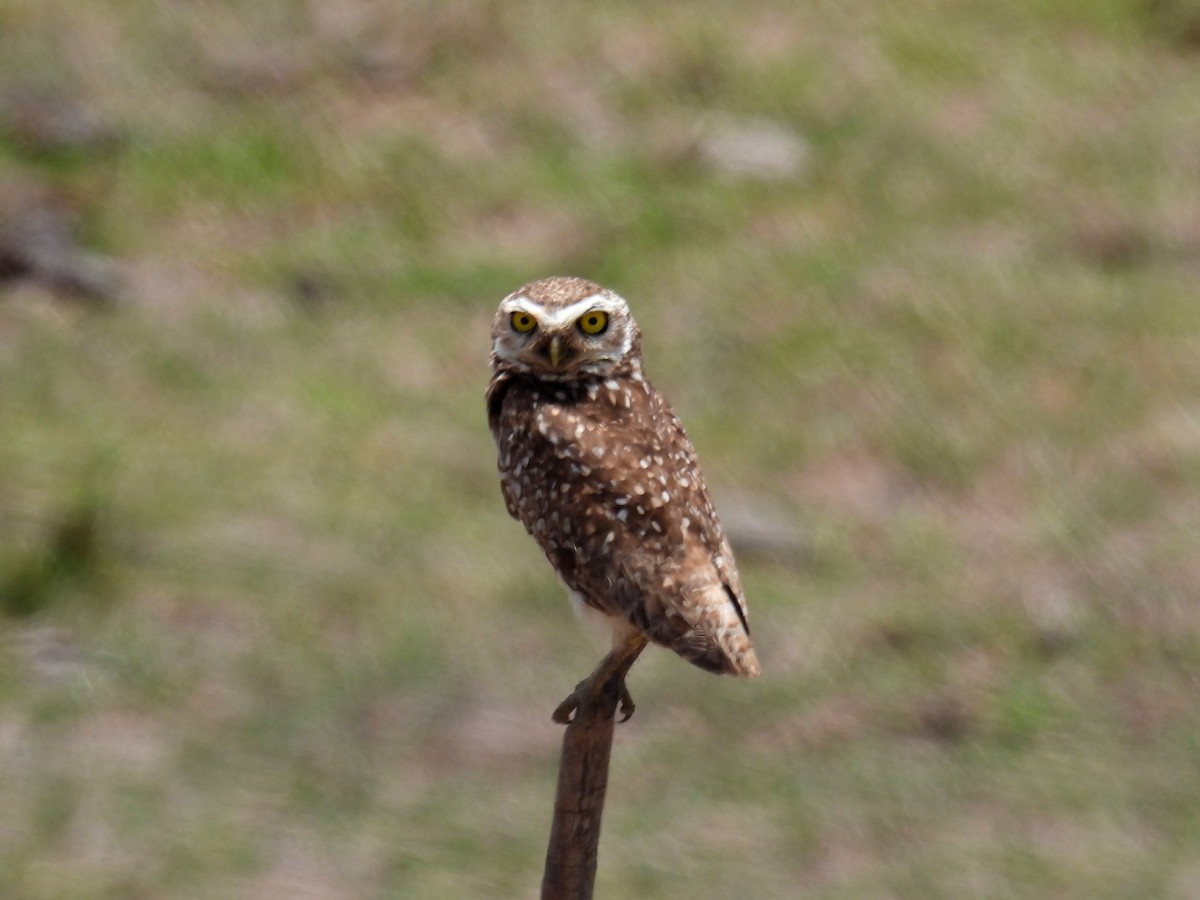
(563, 328)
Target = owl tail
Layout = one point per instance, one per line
(718, 636)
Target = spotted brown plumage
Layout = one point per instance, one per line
(599, 470)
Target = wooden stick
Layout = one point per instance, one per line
(579, 801)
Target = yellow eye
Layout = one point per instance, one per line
(522, 323)
(594, 322)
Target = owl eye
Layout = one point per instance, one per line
(594, 322)
(522, 323)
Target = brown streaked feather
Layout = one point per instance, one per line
(602, 474)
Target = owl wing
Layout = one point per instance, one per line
(620, 507)
(494, 396)
(497, 389)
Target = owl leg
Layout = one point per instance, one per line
(608, 676)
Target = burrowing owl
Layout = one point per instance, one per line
(599, 470)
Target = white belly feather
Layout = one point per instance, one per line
(602, 625)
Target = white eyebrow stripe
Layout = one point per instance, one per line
(574, 311)
(563, 316)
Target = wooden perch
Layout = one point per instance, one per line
(579, 800)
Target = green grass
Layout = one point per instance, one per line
(265, 627)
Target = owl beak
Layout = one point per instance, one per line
(556, 351)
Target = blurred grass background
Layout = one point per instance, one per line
(921, 279)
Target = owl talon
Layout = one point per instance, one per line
(564, 713)
(586, 692)
(627, 704)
